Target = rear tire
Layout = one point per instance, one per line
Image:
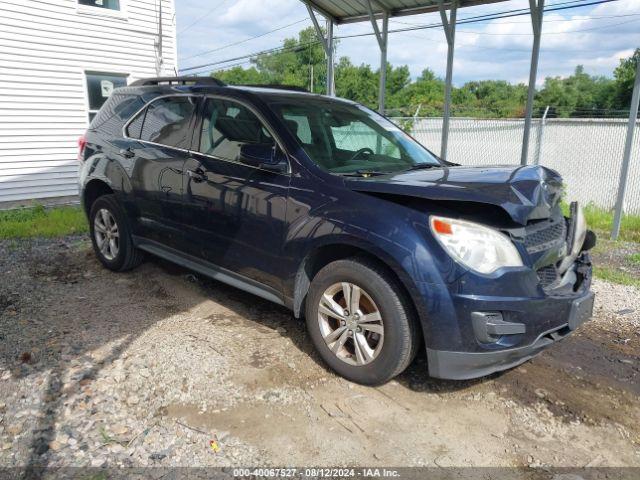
(111, 235)
(372, 344)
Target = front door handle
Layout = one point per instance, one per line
(197, 175)
(126, 152)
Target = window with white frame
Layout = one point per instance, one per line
(99, 88)
(108, 4)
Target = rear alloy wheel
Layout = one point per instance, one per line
(360, 321)
(111, 235)
(107, 236)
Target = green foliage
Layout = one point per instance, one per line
(578, 95)
(302, 60)
(634, 258)
(624, 77)
(303, 63)
(41, 222)
(357, 83)
(242, 76)
(601, 221)
(614, 275)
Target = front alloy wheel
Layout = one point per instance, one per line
(351, 323)
(360, 320)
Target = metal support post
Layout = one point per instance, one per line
(626, 159)
(383, 64)
(331, 81)
(449, 25)
(382, 38)
(327, 44)
(537, 11)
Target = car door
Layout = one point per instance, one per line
(235, 212)
(161, 137)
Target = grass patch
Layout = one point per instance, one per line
(635, 258)
(42, 222)
(601, 221)
(615, 275)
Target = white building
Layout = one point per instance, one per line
(59, 60)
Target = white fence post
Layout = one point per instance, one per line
(543, 122)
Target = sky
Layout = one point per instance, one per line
(595, 36)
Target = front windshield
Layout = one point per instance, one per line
(349, 139)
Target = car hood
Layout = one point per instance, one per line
(524, 192)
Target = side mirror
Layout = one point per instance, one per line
(267, 157)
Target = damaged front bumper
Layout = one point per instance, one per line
(466, 365)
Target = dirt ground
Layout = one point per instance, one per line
(148, 367)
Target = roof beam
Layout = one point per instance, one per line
(327, 44)
(402, 12)
(374, 23)
(319, 31)
(320, 10)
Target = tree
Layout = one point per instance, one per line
(358, 83)
(577, 95)
(241, 76)
(302, 62)
(625, 75)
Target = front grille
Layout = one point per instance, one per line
(545, 235)
(548, 276)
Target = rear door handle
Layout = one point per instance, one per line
(126, 152)
(197, 175)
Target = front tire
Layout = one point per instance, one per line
(360, 321)
(111, 235)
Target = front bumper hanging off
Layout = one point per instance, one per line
(466, 365)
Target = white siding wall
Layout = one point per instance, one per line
(46, 46)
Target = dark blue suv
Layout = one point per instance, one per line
(330, 209)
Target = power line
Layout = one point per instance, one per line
(475, 19)
(299, 46)
(199, 19)
(555, 33)
(554, 20)
(493, 17)
(217, 49)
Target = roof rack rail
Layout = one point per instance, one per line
(293, 88)
(178, 81)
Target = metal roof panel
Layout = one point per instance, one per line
(350, 11)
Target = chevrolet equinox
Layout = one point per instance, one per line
(330, 209)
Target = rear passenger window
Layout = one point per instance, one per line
(165, 121)
(226, 126)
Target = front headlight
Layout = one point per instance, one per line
(477, 247)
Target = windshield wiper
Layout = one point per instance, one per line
(422, 166)
(363, 173)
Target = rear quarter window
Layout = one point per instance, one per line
(167, 121)
(115, 113)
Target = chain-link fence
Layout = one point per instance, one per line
(587, 152)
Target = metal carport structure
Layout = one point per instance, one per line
(338, 12)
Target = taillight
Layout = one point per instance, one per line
(82, 143)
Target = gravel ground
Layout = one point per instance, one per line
(147, 368)
(618, 255)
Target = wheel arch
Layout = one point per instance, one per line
(326, 253)
(93, 190)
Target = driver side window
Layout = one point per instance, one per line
(227, 126)
(357, 136)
